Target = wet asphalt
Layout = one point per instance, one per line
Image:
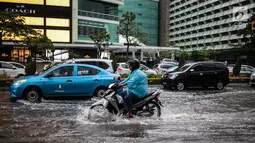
(194, 115)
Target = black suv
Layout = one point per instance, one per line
(197, 74)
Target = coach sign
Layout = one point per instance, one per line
(21, 10)
(37, 10)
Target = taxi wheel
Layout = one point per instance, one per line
(33, 94)
(100, 92)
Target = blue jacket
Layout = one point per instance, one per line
(137, 83)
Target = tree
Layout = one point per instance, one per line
(249, 37)
(101, 40)
(237, 67)
(13, 26)
(114, 61)
(38, 43)
(131, 31)
(183, 57)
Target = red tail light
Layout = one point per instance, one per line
(118, 69)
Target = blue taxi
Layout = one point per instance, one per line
(64, 80)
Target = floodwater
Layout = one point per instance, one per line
(194, 115)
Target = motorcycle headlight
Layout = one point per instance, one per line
(173, 76)
(19, 82)
(252, 77)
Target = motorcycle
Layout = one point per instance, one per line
(113, 104)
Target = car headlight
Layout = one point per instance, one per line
(19, 82)
(173, 76)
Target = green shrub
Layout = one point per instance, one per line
(206, 59)
(151, 76)
(31, 68)
(124, 75)
(114, 61)
(4, 75)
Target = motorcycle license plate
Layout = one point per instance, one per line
(164, 83)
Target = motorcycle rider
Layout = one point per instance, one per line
(137, 84)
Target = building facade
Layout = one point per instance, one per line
(213, 24)
(146, 12)
(93, 17)
(163, 23)
(52, 18)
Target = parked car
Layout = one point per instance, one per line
(147, 70)
(172, 69)
(162, 68)
(169, 61)
(122, 68)
(17, 65)
(198, 74)
(39, 60)
(64, 80)
(102, 63)
(50, 65)
(252, 79)
(10, 70)
(245, 71)
(249, 67)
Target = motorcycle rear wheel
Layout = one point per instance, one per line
(151, 109)
(99, 113)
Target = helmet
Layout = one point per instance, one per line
(135, 64)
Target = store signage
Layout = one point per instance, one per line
(21, 11)
(90, 23)
(37, 10)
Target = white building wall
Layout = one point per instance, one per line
(206, 23)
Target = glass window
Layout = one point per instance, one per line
(143, 67)
(34, 20)
(125, 66)
(219, 66)
(208, 67)
(86, 71)
(18, 66)
(57, 22)
(63, 71)
(103, 65)
(65, 3)
(198, 68)
(58, 35)
(98, 7)
(25, 1)
(6, 66)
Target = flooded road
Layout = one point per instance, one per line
(194, 115)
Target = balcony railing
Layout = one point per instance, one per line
(98, 15)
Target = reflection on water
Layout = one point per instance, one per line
(190, 116)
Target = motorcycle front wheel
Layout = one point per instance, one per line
(151, 109)
(99, 113)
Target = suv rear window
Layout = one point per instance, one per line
(219, 66)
